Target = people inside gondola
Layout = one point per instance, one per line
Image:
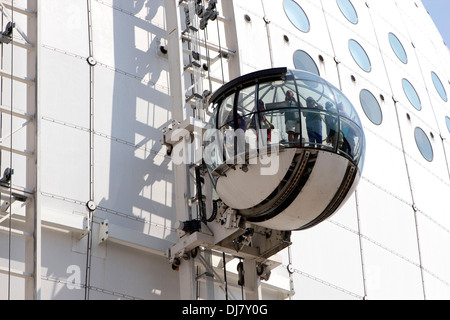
(331, 122)
(264, 123)
(314, 122)
(291, 118)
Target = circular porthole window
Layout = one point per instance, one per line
(412, 95)
(447, 121)
(348, 10)
(371, 107)
(303, 61)
(439, 87)
(359, 55)
(398, 48)
(296, 15)
(423, 143)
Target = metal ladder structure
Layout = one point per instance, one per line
(19, 216)
(191, 55)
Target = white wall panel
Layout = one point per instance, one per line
(434, 239)
(254, 54)
(69, 76)
(134, 187)
(125, 41)
(436, 289)
(64, 26)
(65, 161)
(63, 270)
(309, 287)
(125, 108)
(389, 276)
(315, 250)
(429, 190)
(130, 273)
(384, 166)
(387, 221)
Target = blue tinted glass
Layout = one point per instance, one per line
(371, 107)
(348, 10)
(296, 14)
(359, 55)
(424, 145)
(303, 61)
(439, 87)
(412, 95)
(447, 120)
(398, 48)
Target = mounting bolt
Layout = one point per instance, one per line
(91, 61)
(91, 205)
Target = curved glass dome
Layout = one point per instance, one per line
(289, 108)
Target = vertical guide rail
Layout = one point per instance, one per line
(91, 62)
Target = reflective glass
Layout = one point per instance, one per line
(213, 152)
(352, 141)
(303, 61)
(439, 87)
(274, 94)
(423, 143)
(348, 10)
(296, 15)
(246, 100)
(226, 111)
(359, 55)
(447, 121)
(301, 111)
(398, 48)
(346, 108)
(412, 95)
(371, 107)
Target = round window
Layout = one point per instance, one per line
(296, 15)
(439, 87)
(303, 61)
(412, 95)
(398, 48)
(423, 143)
(348, 10)
(447, 120)
(371, 107)
(359, 55)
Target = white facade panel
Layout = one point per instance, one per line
(435, 261)
(65, 26)
(65, 148)
(69, 75)
(382, 215)
(390, 276)
(313, 253)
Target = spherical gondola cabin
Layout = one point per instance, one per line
(285, 148)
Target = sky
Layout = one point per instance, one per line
(439, 11)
